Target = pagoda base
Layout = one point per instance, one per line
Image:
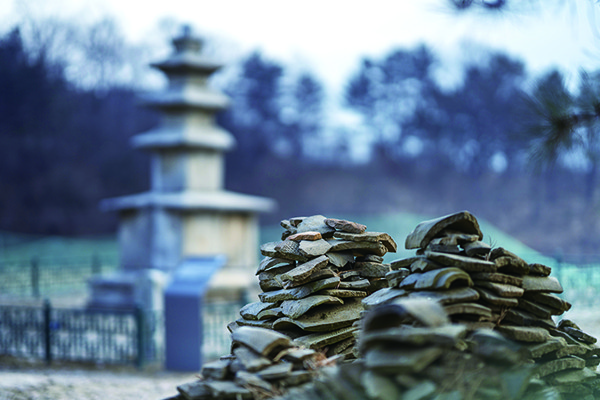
(128, 290)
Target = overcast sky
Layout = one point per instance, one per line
(329, 37)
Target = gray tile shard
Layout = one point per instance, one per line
(498, 278)
(467, 264)
(524, 333)
(490, 297)
(303, 271)
(451, 296)
(345, 226)
(227, 390)
(501, 289)
(275, 371)
(371, 270)
(322, 339)
(299, 292)
(314, 248)
(289, 249)
(462, 221)
(397, 361)
(541, 284)
(382, 296)
(468, 308)
(354, 285)
(381, 237)
(539, 269)
(268, 262)
(262, 341)
(343, 293)
(376, 248)
(560, 364)
(251, 310)
(538, 350)
(404, 262)
(315, 223)
(297, 308)
(196, 390)
(550, 300)
(324, 318)
(305, 236)
(340, 258)
(477, 248)
(215, 369)
(250, 359)
(246, 379)
(445, 335)
(404, 310)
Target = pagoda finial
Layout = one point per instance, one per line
(187, 41)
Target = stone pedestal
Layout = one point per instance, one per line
(127, 290)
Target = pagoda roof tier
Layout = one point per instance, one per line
(187, 63)
(216, 201)
(186, 99)
(211, 137)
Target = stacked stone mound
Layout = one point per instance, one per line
(314, 279)
(263, 364)
(481, 287)
(410, 350)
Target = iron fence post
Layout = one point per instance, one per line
(141, 336)
(47, 333)
(35, 277)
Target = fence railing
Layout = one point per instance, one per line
(216, 337)
(43, 277)
(101, 336)
(98, 336)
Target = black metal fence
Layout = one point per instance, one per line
(216, 338)
(45, 276)
(97, 336)
(101, 336)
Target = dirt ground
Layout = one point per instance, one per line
(19, 381)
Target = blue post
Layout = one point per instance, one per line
(183, 312)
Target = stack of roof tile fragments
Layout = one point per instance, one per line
(460, 320)
(481, 287)
(263, 364)
(410, 350)
(314, 279)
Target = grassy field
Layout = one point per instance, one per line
(70, 256)
(398, 225)
(18, 247)
(17, 251)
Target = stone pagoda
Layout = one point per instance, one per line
(187, 213)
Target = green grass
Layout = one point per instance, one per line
(17, 247)
(16, 250)
(398, 225)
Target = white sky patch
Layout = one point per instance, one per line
(330, 37)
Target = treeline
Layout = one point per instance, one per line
(405, 143)
(63, 149)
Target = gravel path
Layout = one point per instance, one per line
(86, 384)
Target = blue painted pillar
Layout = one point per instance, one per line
(183, 312)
